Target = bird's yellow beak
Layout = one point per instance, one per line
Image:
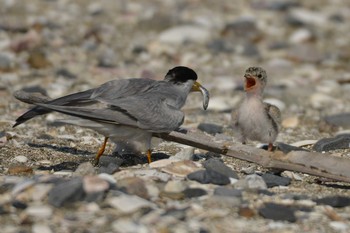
(199, 88)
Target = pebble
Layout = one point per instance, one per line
(161, 163)
(305, 53)
(227, 192)
(20, 170)
(341, 119)
(327, 144)
(185, 153)
(128, 204)
(7, 61)
(339, 226)
(92, 184)
(85, 169)
(272, 180)
(210, 128)
(134, 185)
(174, 186)
(218, 166)
(194, 192)
(39, 211)
(66, 192)
(277, 212)
(209, 176)
(303, 143)
(41, 228)
(127, 226)
(334, 201)
(300, 35)
(185, 33)
(21, 159)
(251, 182)
(181, 168)
(290, 122)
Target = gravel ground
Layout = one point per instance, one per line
(57, 47)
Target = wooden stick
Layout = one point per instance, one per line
(317, 164)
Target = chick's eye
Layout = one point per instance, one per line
(259, 76)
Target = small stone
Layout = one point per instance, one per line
(20, 170)
(194, 192)
(104, 161)
(209, 176)
(246, 212)
(249, 170)
(66, 192)
(92, 184)
(174, 186)
(181, 168)
(161, 163)
(285, 148)
(85, 169)
(134, 185)
(339, 226)
(128, 204)
(290, 122)
(227, 192)
(218, 166)
(186, 153)
(21, 159)
(272, 180)
(39, 211)
(305, 53)
(185, 33)
(128, 226)
(210, 128)
(110, 169)
(7, 61)
(328, 144)
(277, 212)
(341, 119)
(303, 143)
(41, 228)
(292, 175)
(301, 35)
(334, 201)
(251, 182)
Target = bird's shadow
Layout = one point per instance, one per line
(63, 149)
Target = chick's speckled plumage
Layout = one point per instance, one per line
(254, 119)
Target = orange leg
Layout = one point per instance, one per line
(101, 150)
(270, 147)
(149, 153)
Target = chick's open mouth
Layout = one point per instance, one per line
(249, 82)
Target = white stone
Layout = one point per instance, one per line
(161, 163)
(128, 226)
(39, 211)
(21, 159)
(300, 35)
(180, 34)
(128, 204)
(41, 228)
(174, 186)
(339, 226)
(185, 153)
(304, 143)
(290, 122)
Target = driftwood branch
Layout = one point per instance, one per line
(317, 164)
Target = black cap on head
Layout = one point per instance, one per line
(181, 74)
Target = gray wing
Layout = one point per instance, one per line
(273, 112)
(107, 92)
(151, 114)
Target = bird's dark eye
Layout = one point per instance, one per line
(259, 76)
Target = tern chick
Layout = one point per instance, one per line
(127, 110)
(254, 119)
